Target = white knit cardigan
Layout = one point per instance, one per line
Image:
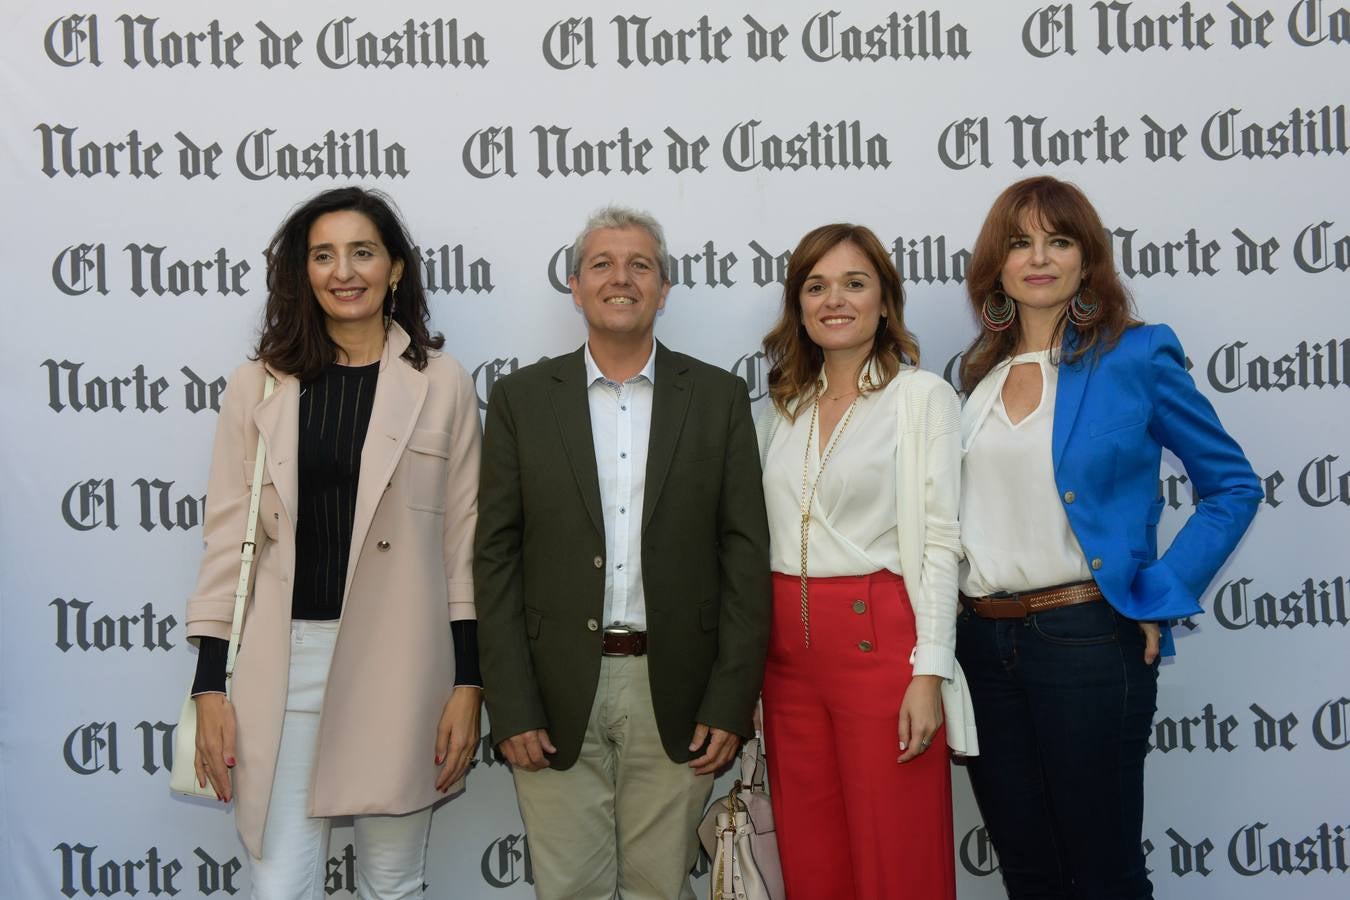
(927, 499)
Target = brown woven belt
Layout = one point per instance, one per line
(1019, 606)
(623, 642)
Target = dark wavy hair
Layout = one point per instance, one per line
(794, 358)
(1060, 208)
(294, 337)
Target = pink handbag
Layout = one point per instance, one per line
(737, 832)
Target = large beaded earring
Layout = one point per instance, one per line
(998, 311)
(1082, 309)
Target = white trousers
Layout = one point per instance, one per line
(390, 850)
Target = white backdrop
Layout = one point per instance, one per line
(151, 148)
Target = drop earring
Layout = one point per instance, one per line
(1082, 310)
(998, 311)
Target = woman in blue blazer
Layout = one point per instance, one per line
(1065, 600)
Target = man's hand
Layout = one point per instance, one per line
(722, 747)
(528, 750)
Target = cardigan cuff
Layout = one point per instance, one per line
(930, 660)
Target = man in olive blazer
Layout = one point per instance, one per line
(614, 732)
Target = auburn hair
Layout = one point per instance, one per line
(1057, 207)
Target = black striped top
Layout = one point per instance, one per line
(334, 415)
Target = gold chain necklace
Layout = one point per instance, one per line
(808, 499)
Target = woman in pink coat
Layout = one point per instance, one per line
(356, 690)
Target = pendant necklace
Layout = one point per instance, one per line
(809, 498)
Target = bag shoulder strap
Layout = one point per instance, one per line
(248, 548)
(752, 759)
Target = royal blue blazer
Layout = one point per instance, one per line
(1114, 413)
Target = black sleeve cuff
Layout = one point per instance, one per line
(211, 654)
(464, 633)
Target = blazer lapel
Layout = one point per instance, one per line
(1073, 378)
(670, 404)
(400, 392)
(278, 421)
(572, 412)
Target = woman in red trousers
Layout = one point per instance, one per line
(861, 482)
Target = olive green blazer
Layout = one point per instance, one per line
(540, 545)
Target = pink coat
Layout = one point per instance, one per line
(409, 574)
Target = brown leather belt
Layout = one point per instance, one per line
(1026, 603)
(623, 642)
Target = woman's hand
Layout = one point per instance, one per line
(1152, 635)
(215, 743)
(457, 735)
(920, 715)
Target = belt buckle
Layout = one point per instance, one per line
(623, 630)
(1012, 597)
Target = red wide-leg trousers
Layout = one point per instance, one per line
(851, 821)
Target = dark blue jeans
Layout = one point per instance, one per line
(1064, 703)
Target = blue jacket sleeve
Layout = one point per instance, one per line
(1226, 488)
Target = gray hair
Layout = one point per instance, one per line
(622, 217)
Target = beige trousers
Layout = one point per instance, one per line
(622, 820)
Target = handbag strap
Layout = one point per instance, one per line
(248, 548)
(726, 864)
(752, 773)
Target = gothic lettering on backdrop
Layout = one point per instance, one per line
(156, 147)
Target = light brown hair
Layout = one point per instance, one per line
(794, 359)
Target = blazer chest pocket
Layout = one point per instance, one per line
(699, 455)
(1120, 420)
(428, 463)
(697, 471)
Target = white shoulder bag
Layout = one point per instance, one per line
(182, 773)
(738, 834)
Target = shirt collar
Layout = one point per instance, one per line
(593, 373)
(869, 379)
